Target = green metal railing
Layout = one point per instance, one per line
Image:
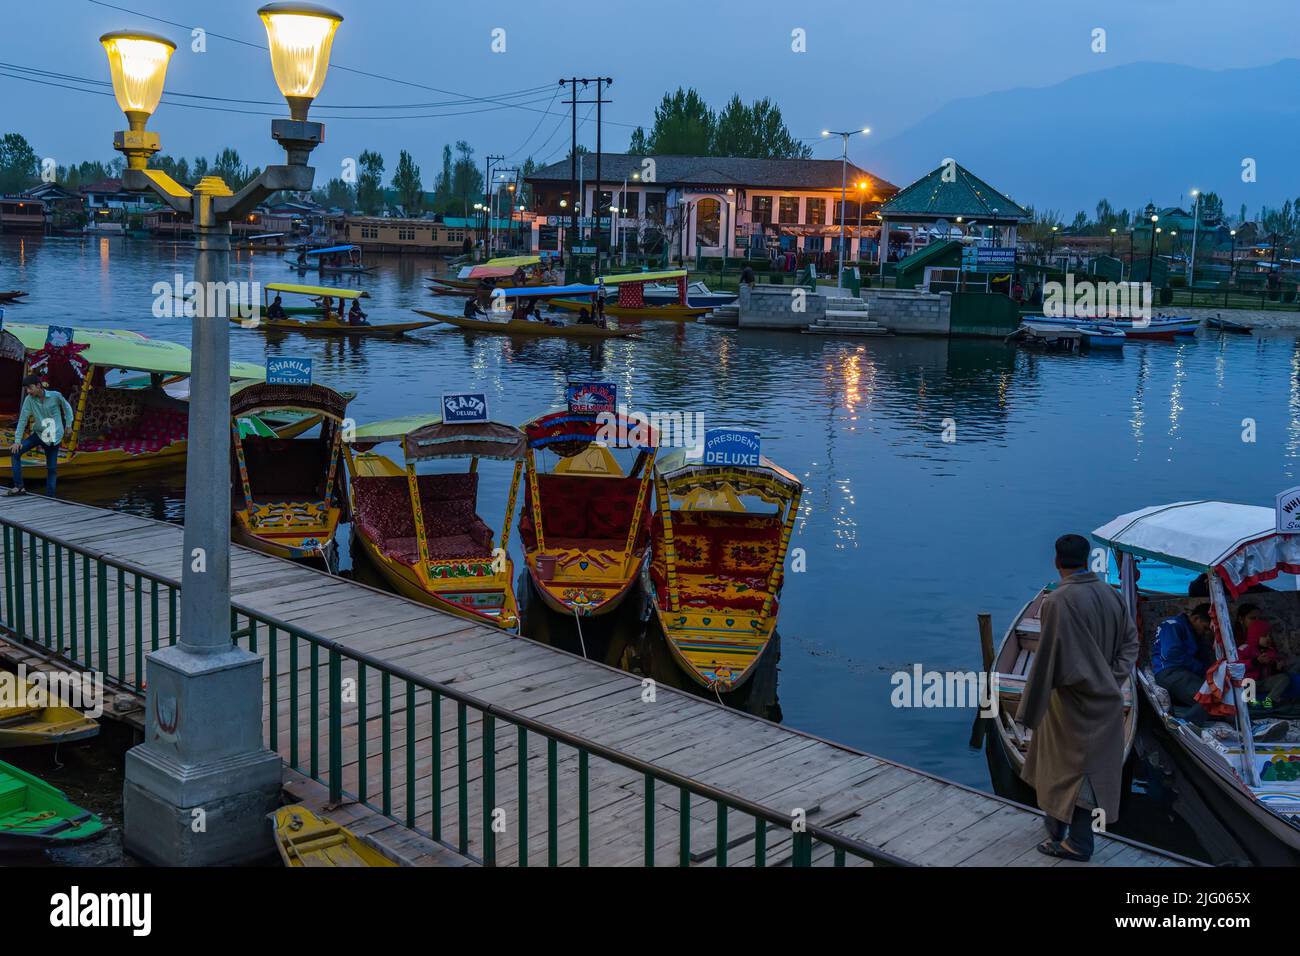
(61, 598)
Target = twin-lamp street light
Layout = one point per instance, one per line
(202, 748)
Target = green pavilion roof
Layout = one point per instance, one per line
(931, 198)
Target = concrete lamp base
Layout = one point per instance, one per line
(198, 790)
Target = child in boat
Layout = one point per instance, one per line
(1267, 666)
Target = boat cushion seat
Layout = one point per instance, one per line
(407, 551)
(451, 525)
(285, 466)
(716, 591)
(581, 507)
(722, 543)
(151, 431)
(586, 545)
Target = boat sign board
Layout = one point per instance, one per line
(58, 336)
(592, 398)
(1288, 511)
(464, 408)
(288, 371)
(732, 446)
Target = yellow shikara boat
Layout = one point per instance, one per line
(286, 492)
(423, 531)
(305, 839)
(630, 301)
(717, 562)
(30, 717)
(316, 319)
(584, 524)
(528, 327)
(121, 424)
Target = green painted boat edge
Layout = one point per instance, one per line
(48, 797)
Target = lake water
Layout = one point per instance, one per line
(907, 536)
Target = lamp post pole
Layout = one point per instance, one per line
(1196, 216)
(1152, 218)
(202, 760)
(844, 184)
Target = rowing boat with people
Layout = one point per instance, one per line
(507, 326)
(318, 318)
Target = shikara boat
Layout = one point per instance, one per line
(1220, 324)
(423, 531)
(36, 816)
(1010, 671)
(717, 559)
(469, 278)
(11, 296)
(313, 259)
(1238, 548)
(33, 720)
(122, 422)
(315, 320)
(585, 519)
(286, 493)
(305, 839)
(508, 326)
(630, 302)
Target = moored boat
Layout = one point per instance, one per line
(1220, 324)
(585, 519)
(423, 531)
(1053, 332)
(13, 295)
(320, 318)
(508, 326)
(33, 718)
(315, 259)
(630, 302)
(717, 562)
(698, 295)
(120, 423)
(1237, 548)
(35, 815)
(286, 492)
(304, 839)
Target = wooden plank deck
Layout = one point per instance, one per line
(908, 813)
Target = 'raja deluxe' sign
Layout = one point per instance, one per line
(1288, 511)
(592, 398)
(464, 408)
(731, 446)
(288, 371)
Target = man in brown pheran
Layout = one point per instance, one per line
(1074, 703)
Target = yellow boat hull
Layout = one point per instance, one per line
(525, 327)
(305, 840)
(321, 327)
(404, 579)
(667, 313)
(586, 592)
(295, 544)
(41, 726)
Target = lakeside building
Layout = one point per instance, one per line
(21, 214)
(445, 235)
(707, 206)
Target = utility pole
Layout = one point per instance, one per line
(572, 83)
(489, 198)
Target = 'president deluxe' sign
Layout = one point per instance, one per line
(732, 446)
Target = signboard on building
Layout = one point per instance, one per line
(732, 446)
(591, 398)
(464, 408)
(995, 259)
(288, 371)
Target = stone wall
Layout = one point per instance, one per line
(906, 312)
(772, 307)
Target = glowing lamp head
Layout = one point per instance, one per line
(300, 36)
(138, 64)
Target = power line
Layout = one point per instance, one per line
(540, 120)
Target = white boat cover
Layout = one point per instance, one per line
(1240, 541)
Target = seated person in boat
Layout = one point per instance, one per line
(276, 309)
(1274, 676)
(355, 315)
(584, 318)
(327, 308)
(472, 311)
(1181, 656)
(1243, 616)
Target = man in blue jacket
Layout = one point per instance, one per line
(1181, 656)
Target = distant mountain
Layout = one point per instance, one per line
(1144, 131)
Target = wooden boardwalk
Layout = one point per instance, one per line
(907, 813)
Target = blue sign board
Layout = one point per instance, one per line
(591, 398)
(995, 259)
(732, 446)
(288, 371)
(464, 408)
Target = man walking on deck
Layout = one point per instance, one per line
(49, 415)
(1073, 701)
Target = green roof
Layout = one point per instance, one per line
(960, 193)
(926, 254)
(117, 348)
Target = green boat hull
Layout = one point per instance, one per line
(35, 815)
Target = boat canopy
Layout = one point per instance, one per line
(11, 347)
(547, 291)
(427, 436)
(631, 277)
(295, 289)
(514, 262)
(1239, 542)
(118, 348)
(331, 249)
(573, 430)
(249, 398)
(489, 272)
(683, 470)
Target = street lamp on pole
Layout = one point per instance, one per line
(1191, 263)
(844, 182)
(1152, 218)
(205, 689)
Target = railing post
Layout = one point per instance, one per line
(684, 829)
(649, 820)
(336, 725)
(523, 795)
(489, 736)
(462, 777)
(552, 803)
(584, 811)
(101, 594)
